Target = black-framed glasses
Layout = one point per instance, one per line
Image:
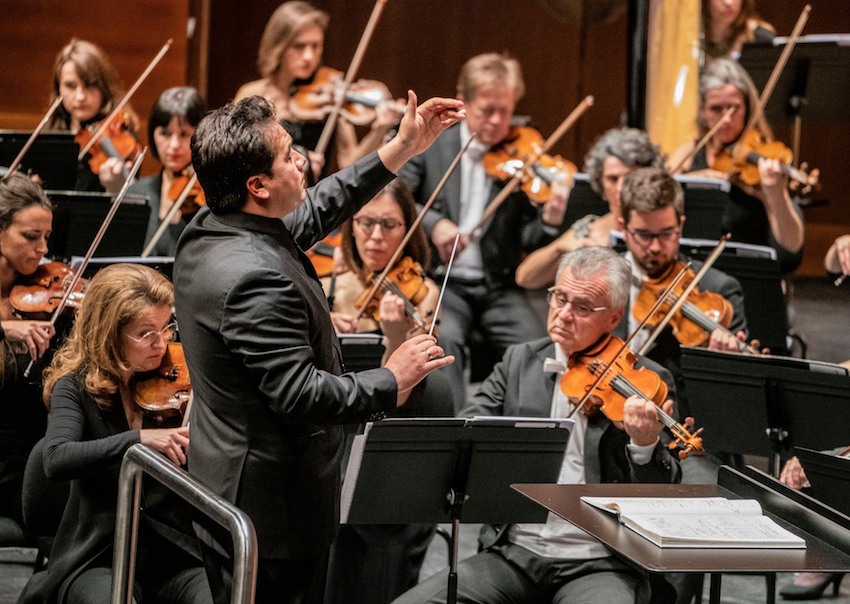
(558, 300)
(367, 224)
(646, 237)
(167, 333)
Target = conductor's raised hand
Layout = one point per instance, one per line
(416, 358)
(419, 128)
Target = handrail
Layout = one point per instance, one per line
(140, 458)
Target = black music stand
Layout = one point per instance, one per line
(829, 475)
(361, 351)
(78, 215)
(163, 264)
(706, 202)
(53, 156)
(406, 471)
(819, 64)
(764, 404)
(583, 200)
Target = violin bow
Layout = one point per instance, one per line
(683, 297)
(703, 141)
(356, 60)
(17, 161)
(625, 346)
(417, 221)
(116, 203)
(516, 179)
(175, 207)
(104, 124)
(443, 289)
(758, 110)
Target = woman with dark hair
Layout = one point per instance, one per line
(290, 55)
(173, 120)
(729, 24)
(88, 84)
(26, 220)
(121, 333)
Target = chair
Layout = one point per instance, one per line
(43, 503)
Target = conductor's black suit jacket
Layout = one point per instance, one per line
(265, 364)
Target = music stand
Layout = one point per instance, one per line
(163, 264)
(829, 475)
(361, 351)
(583, 200)
(78, 215)
(819, 63)
(764, 404)
(706, 202)
(451, 469)
(53, 156)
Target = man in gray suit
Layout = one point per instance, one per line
(269, 388)
(557, 562)
(481, 294)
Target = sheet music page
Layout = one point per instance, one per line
(352, 471)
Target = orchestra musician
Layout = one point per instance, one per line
(259, 342)
(172, 121)
(555, 561)
(728, 25)
(376, 563)
(121, 333)
(837, 259)
(481, 293)
(88, 84)
(616, 153)
(290, 54)
(26, 220)
(763, 214)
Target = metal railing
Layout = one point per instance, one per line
(140, 459)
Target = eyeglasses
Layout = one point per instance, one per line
(646, 237)
(368, 224)
(558, 300)
(167, 333)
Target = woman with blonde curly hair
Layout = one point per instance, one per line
(121, 334)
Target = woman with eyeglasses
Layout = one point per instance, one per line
(121, 334)
(378, 563)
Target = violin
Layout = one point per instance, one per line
(40, 293)
(406, 280)
(314, 100)
(504, 160)
(164, 392)
(194, 199)
(609, 371)
(321, 255)
(741, 162)
(118, 141)
(698, 317)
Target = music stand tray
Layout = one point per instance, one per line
(361, 351)
(78, 215)
(764, 404)
(829, 475)
(53, 156)
(583, 200)
(407, 471)
(163, 264)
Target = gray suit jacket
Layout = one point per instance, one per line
(518, 386)
(265, 363)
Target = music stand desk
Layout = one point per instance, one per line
(822, 553)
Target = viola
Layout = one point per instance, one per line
(504, 160)
(164, 392)
(321, 255)
(698, 317)
(608, 370)
(406, 280)
(741, 162)
(195, 197)
(39, 294)
(118, 141)
(314, 100)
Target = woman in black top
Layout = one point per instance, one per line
(121, 332)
